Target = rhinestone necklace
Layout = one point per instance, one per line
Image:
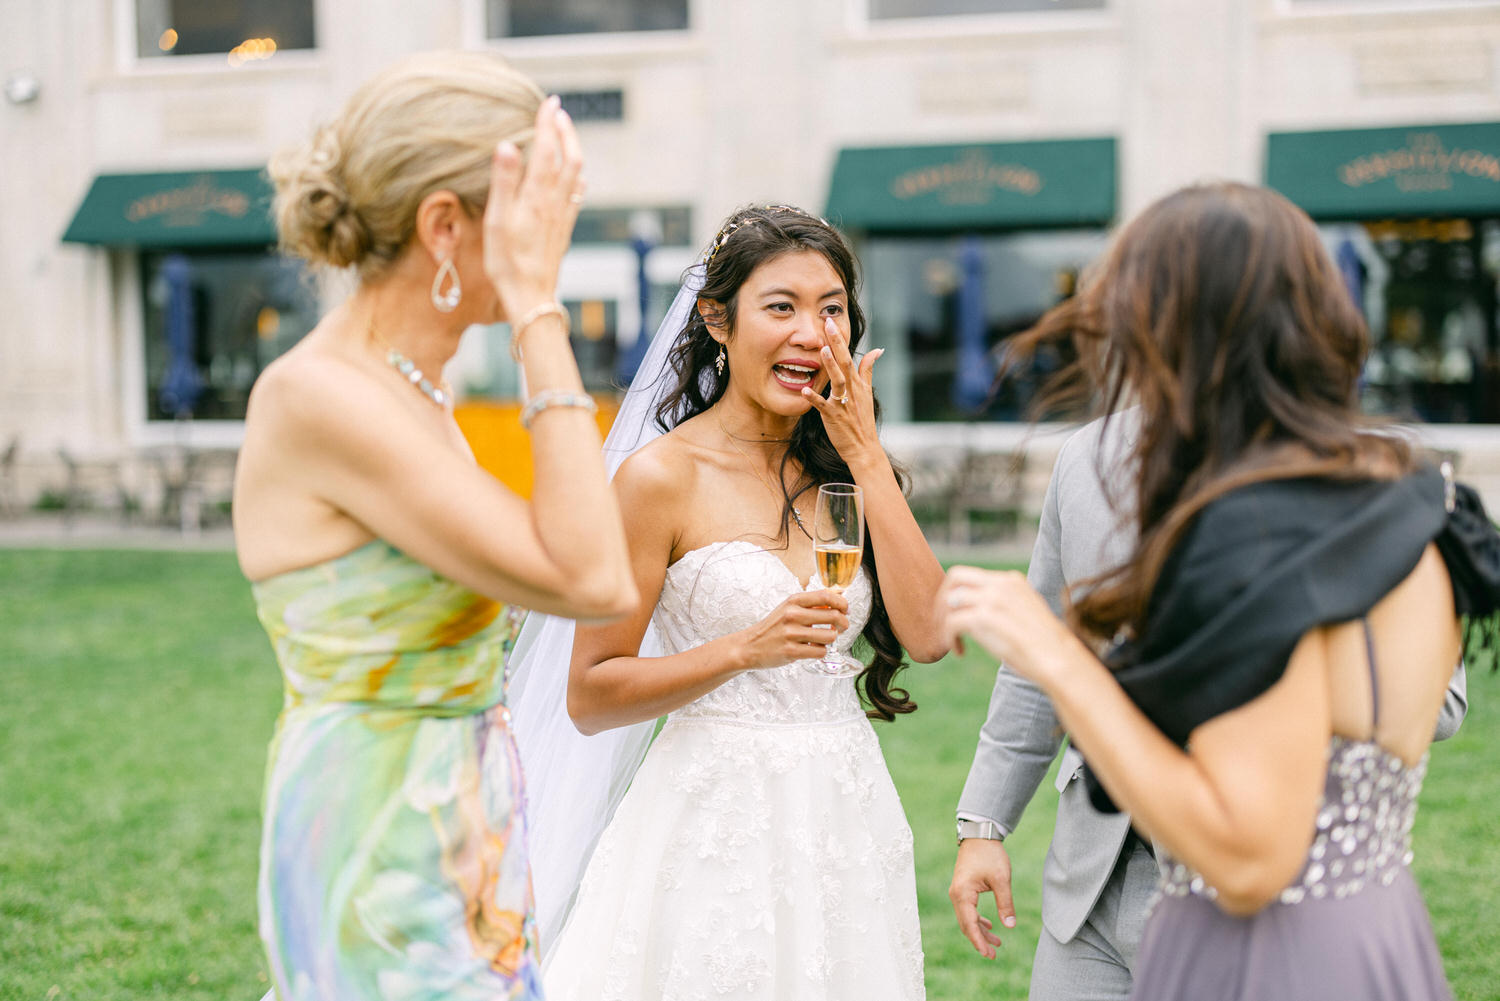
(438, 393)
(734, 443)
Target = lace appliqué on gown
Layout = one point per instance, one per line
(761, 851)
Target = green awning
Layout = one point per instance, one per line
(198, 208)
(1418, 170)
(1058, 182)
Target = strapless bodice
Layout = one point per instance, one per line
(1363, 827)
(727, 586)
(376, 627)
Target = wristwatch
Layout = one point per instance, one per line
(986, 829)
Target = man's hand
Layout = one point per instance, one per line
(982, 867)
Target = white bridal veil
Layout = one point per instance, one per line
(573, 782)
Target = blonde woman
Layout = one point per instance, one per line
(387, 566)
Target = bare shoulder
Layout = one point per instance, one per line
(661, 471)
(316, 399)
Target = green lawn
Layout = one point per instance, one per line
(140, 694)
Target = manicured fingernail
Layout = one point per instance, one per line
(1010, 922)
(877, 352)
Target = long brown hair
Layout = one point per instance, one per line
(749, 238)
(1221, 317)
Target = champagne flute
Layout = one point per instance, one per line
(838, 546)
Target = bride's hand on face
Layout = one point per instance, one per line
(1004, 614)
(797, 629)
(849, 411)
(528, 220)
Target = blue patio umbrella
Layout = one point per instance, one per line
(630, 359)
(975, 373)
(182, 386)
(1352, 270)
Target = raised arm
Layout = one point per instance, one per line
(910, 574)
(610, 685)
(321, 431)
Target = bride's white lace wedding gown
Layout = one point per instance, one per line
(761, 851)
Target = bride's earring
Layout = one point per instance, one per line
(719, 361)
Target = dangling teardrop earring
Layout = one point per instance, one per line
(719, 361)
(446, 302)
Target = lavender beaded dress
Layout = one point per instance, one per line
(1257, 569)
(1352, 925)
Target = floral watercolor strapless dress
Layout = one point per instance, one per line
(761, 851)
(393, 853)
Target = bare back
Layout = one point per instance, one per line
(287, 512)
(1416, 645)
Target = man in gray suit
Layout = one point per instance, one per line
(1099, 874)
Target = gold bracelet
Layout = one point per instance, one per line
(555, 398)
(517, 329)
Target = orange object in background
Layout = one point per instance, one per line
(502, 446)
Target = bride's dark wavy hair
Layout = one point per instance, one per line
(749, 238)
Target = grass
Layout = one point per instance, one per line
(139, 694)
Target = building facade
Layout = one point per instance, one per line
(977, 150)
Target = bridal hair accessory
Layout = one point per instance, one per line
(719, 361)
(518, 329)
(574, 782)
(549, 398)
(735, 224)
(446, 302)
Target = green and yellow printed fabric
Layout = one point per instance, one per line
(393, 853)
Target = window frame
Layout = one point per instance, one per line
(1299, 10)
(999, 23)
(475, 34)
(128, 60)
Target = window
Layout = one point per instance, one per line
(247, 30)
(214, 320)
(525, 18)
(1429, 290)
(881, 10)
(594, 105)
(944, 306)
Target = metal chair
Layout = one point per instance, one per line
(9, 507)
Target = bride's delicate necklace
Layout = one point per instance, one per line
(754, 469)
(438, 393)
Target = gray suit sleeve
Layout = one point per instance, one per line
(1455, 705)
(1021, 736)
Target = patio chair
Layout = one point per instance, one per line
(9, 506)
(992, 484)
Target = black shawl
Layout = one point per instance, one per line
(1264, 564)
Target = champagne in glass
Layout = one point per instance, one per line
(838, 564)
(838, 546)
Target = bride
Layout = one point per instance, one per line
(761, 850)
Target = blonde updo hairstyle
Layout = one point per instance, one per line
(349, 196)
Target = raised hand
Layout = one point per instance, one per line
(528, 220)
(1001, 612)
(800, 628)
(849, 411)
(983, 866)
